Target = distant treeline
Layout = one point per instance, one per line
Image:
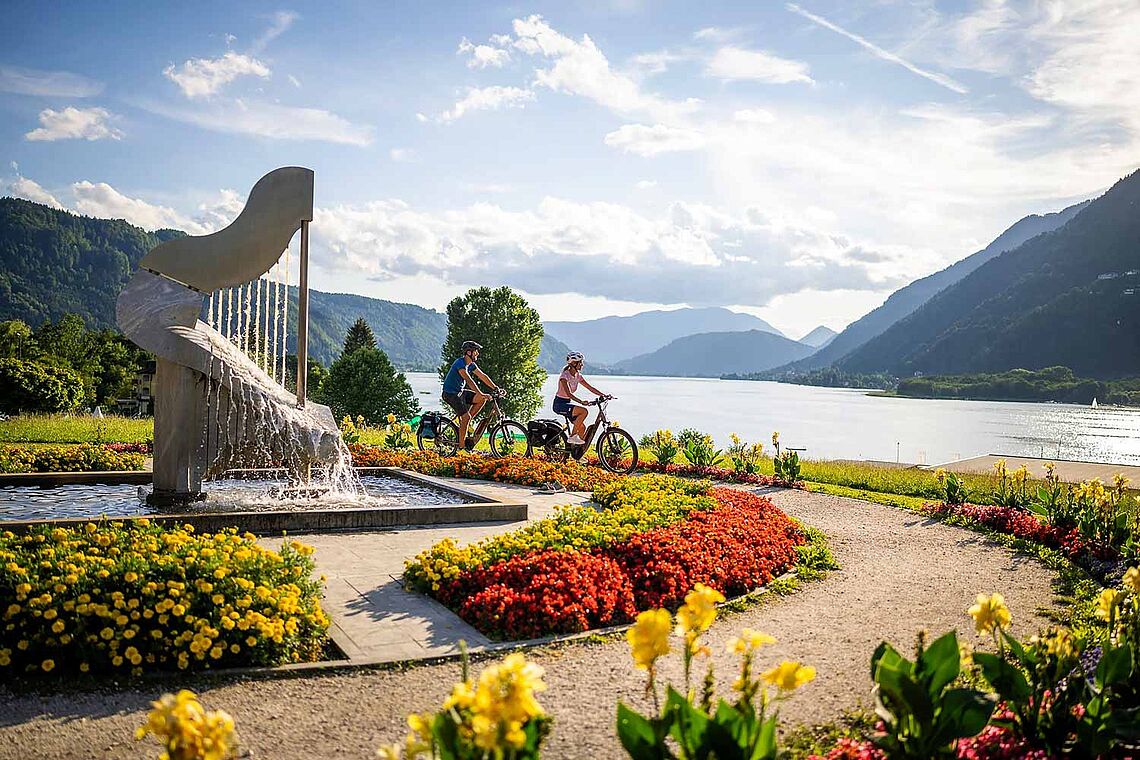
(826, 377)
(1049, 384)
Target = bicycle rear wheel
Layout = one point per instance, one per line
(509, 438)
(617, 451)
(445, 442)
(556, 449)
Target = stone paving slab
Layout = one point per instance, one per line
(374, 619)
(1067, 470)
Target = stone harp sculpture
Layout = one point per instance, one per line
(217, 324)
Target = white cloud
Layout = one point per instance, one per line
(656, 63)
(734, 63)
(651, 141)
(62, 84)
(578, 67)
(294, 81)
(402, 155)
(753, 116)
(691, 254)
(74, 124)
(28, 189)
(482, 56)
(101, 200)
(718, 33)
(940, 79)
(487, 99)
(251, 117)
(201, 77)
(646, 184)
(280, 24)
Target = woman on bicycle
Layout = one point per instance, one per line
(568, 382)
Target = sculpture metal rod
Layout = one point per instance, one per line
(303, 318)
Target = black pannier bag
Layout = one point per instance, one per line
(542, 432)
(429, 424)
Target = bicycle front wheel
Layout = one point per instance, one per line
(445, 442)
(509, 438)
(617, 451)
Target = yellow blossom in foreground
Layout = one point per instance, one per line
(187, 731)
(649, 637)
(789, 675)
(1061, 644)
(990, 612)
(749, 641)
(699, 609)
(1106, 603)
(388, 752)
(1132, 580)
(504, 702)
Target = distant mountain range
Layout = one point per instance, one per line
(819, 337)
(1070, 297)
(609, 340)
(904, 301)
(717, 353)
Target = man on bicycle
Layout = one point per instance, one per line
(462, 393)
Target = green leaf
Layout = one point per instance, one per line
(963, 713)
(939, 663)
(688, 725)
(1006, 678)
(906, 695)
(1114, 667)
(641, 737)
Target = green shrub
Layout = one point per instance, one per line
(27, 386)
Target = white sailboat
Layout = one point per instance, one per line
(1094, 402)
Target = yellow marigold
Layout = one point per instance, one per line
(699, 610)
(1132, 580)
(749, 641)
(1106, 603)
(649, 637)
(789, 675)
(989, 612)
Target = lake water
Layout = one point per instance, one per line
(836, 423)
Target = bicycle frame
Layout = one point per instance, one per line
(488, 418)
(601, 422)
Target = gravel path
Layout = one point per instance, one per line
(900, 573)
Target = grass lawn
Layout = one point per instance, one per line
(61, 428)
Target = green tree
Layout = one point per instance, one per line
(359, 336)
(365, 383)
(27, 386)
(511, 334)
(15, 340)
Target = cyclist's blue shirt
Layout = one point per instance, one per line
(454, 383)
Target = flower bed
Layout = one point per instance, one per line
(522, 471)
(84, 457)
(139, 596)
(653, 540)
(723, 474)
(1014, 522)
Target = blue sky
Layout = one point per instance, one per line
(798, 161)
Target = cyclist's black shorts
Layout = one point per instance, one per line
(460, 402)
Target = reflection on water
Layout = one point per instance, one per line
(842, 423)
(29, 503)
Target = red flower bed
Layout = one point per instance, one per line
(1017, 523)
(852, 749)
(722, 474)
(129, 448)
(737, 547)
(546, 593)
(995, 743)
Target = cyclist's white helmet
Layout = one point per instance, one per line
(575, 356)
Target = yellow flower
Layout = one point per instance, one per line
(388, 752)
(1061, 644)
(999, 467)
(1132, 580)
(462, 695)
(47, 665)
(989, 612)
(789, 675)
(1106, 603)
(749, 641)
(775, 438)
(699, 610)
(649, 637)
(391, 418)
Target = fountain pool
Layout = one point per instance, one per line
(382, 491)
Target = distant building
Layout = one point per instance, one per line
(1132, 272)
(1108, 276)
(1130, 291)
(141, 402)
